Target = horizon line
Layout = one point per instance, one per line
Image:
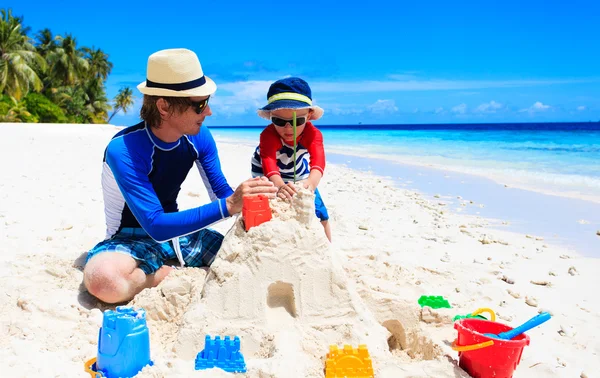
(422, 124)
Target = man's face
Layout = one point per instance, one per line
(287, 132)
(189, 122)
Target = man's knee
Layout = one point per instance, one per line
(105, 277)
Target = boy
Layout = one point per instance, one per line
(274, 157)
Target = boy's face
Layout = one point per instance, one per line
(287, 132)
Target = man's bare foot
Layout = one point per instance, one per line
(161, 274)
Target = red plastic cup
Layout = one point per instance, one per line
(499, 360)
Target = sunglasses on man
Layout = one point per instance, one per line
(199, 106)
(281, 122)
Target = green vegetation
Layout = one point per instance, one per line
(48, 78)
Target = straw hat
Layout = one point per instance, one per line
(176, 73)
(289, 93)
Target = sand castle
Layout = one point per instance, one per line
(281, 288)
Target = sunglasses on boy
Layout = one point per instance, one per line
(281, 122)
(199, 106)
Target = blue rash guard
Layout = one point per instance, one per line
(142, 177)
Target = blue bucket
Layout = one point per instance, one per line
(123, 343)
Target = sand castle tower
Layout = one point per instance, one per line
(280, 272)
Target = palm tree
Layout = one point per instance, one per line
(72, 99)
(67, 63)
(17, 113)
(18, 58)
(97, 59)
(46, 42)
(123, 101)
(96, 102)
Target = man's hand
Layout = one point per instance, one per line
(251, 187)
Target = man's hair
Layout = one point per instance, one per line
(150, 113)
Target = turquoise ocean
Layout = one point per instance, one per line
(543, 177)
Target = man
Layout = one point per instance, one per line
(144, 167)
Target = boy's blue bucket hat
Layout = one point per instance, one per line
(289, 93)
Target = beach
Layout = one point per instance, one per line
(391, 245)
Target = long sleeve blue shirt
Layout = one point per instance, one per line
(142, 177)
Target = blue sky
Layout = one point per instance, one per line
(373, 62)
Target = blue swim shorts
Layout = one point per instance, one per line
(198, 249)
(320, 208)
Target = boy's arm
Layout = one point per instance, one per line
(270, 143)
(313, 138)
(277, 180)
(313, 180)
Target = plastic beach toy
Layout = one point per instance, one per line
(348, 362)
(294, 157)
(123, 344)
(531, 323)
(483, 357)
(468, 316)
(434, 302)
(255, 211)
(222, 353)
(476, 314)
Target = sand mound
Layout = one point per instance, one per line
(281, 288)
(169, 301)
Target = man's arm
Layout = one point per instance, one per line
(209, 165)
(141, 198)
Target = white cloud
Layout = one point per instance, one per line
(538, 107)
(247, 96)
(489, 107)
(433, 84)
(239, 97)
(460, 109)
(343, 109)
(383, 106)
(581, 108)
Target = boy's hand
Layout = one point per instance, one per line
(308, 185)
(286, 191)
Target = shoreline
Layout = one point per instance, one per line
(570, 222)
(497, 178)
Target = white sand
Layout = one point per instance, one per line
(281, 287)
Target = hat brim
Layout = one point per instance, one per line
(206, 89)
(265, 112)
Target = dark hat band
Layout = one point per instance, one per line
(177, 86)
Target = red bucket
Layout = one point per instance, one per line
(484, 357)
